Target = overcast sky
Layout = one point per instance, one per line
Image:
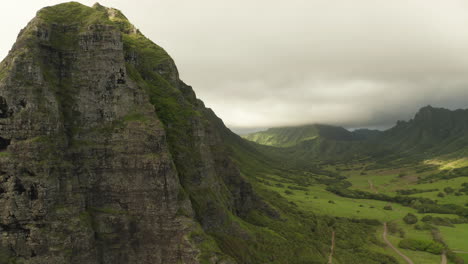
(265, 63)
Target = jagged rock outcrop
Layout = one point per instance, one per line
(106, 156)
(432, 131)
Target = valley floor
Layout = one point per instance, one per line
(416, 180)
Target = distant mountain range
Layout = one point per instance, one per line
(291, 136)
(433, 130)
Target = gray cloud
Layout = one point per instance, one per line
(266, 63)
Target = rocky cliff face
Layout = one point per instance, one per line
(432, 130)
(105, 155)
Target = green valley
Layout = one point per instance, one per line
(421, 195)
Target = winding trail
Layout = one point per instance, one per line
(332, 248)
(372, 187)
(444, 258)
(408, 260)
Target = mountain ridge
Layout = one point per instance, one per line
(428, 126)
(290, 136)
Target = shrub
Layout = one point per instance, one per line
(298, 188)
(413, 191)
(288, 192)
(424, 226)
(441, 194)
(422, 245)
(426, 218)
(448, 190)
(393, 228)
(410, 219)
(388, 207)
(331, 202)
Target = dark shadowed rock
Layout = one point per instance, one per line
(105, 155)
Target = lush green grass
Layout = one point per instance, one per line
(390, 180)
(464, 257)
(441, 185)
(314, 198)
(456, 238)
(447, 164)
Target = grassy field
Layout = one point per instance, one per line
(318, 200)
(388, 181)
(456, 238)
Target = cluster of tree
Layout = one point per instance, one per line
(443, 221)
(298, 188)
(447, 174)
(422, 245)
(464, 188)
(410, 219)
(423, 205)
(395, 229)
(443, 209)
(358, 194)
(414, 191)
(450, 190)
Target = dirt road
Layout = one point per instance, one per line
(372, 187)
(444, 258)
(408, 260)
(332, 248)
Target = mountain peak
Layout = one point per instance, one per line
(77, 14)
(429, 113)
(97, 5)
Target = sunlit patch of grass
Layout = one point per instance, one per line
(448, 164)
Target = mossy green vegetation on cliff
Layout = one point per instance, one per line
(73, 13)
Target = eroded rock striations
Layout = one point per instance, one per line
(106, 156)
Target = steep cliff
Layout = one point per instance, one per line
(432, 131)
(104, 151)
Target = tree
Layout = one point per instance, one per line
(448, 190)
(410, 219)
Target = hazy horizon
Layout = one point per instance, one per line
(262, 64)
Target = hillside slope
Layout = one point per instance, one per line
(291, 136)
(432, 131)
